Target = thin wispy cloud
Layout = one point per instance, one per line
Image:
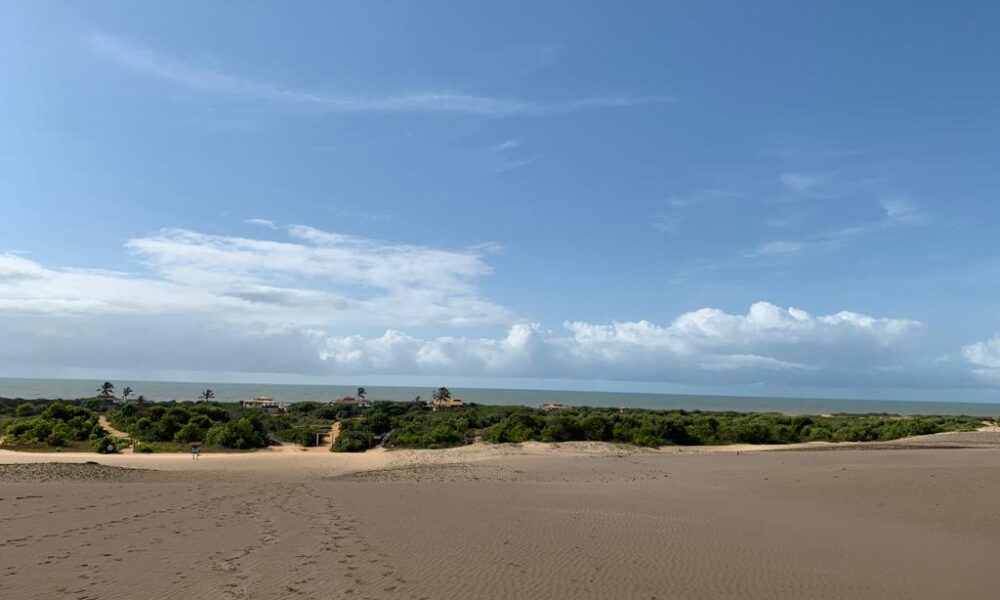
(903, 211)
(775, 247)
(899, 212)
(506, 156)
(266, 223)
(797, 181)
(786, 220)
(701, 197)
(151, 63)
(516, 164)
(506, 145)
(666, 223)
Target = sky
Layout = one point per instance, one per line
(769, 198)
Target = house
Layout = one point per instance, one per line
(439, 403)
(108, 401)
(553, 406)
(266, 404)
(352, 401)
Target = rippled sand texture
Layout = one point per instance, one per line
(904, 524)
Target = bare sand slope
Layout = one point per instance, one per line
(500, 522)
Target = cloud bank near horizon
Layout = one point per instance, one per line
(323, 303)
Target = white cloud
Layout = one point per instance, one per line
(510, 165)
(504, 157)
(698, 197)
(775, 247)
(900, 212)
(666, 223)
(903, 211)
(261, 223)
(984, 354)
(708, 345)
(318, 279)
(323, 303)
(151, 63)
(797, 181)
(396, 352)
(984, 357)
(506, 145)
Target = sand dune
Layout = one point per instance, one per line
(535, 521)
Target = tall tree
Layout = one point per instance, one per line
(362, 393)
(126, 393)
(107, 389)
(442, 393)
(208, 394)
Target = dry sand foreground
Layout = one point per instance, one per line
(502, 522)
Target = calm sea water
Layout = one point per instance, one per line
(233, 392)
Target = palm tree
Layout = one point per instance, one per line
(107, 389)
(126, 393)
(442, 393)
(207, 395)
(362, 393)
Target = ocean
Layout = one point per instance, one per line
(234, 392)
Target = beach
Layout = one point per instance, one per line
(912, 520)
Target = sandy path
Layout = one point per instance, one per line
(328, 440)
(106, 426)
(377, 458)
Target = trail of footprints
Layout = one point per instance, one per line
(300, 545)
(93, 548)
(307, 549)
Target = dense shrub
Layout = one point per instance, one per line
(243, 434)
(26, 410)
(190, 432)
(104, 445)
(353, 437)
(427, 431)
(56, 425)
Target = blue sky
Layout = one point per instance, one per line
(779, 198)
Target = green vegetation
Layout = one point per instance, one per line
(54, 424)
(354, 437)
(411, 425)
(692, 428)
(106, 390)
(172, 426)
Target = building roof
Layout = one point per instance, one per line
(448, 402)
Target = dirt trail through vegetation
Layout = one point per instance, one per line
(106, 426)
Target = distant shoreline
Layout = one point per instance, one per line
(235, 392)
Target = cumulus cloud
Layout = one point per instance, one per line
(708, 345)
(984, 358)
(984, 354)
(323, 303)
